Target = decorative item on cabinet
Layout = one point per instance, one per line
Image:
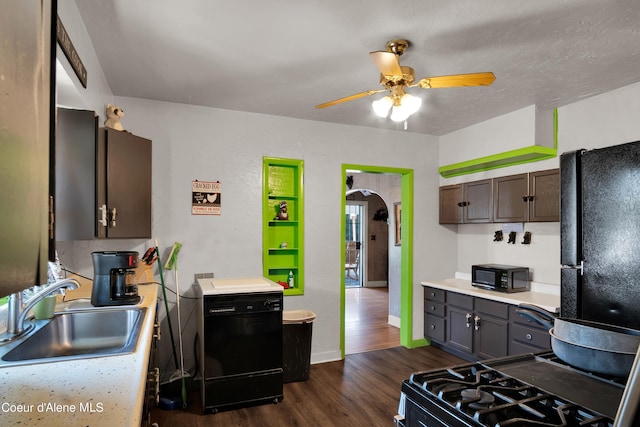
(527, 238)
(283, 229)
(498, 236)
(512, 238)
(114, 114)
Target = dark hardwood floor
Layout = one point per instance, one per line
(362, 390)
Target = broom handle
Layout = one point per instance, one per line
(166, 307)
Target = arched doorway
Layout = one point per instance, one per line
(366, 239)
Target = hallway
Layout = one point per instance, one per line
(366, 317)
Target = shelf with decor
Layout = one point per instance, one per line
(283, 223)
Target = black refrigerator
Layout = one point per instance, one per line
(600, 235)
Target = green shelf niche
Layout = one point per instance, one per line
(283, 240)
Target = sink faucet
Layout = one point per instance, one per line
(16, 313)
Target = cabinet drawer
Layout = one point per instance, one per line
(434, 308)
(459, 300)
(530, 336)
(433, 294)
(434, 327)
(492, 308)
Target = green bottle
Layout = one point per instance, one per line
(290, 279)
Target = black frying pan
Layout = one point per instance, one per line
(592, 346)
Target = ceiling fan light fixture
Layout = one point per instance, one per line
(409, 104)
(381, 106)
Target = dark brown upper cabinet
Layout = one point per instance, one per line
(466, 203)
(75, 174)
(527, 197)
(544, 187)
(123, 171)
(103, 180)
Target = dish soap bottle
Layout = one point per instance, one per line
(290, 279)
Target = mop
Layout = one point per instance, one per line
(172, 263)
(166, 403)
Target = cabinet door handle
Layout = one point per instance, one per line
(433, 294)
(529, 337)
(433, 308)
(469, 320)
(102, 220)
(113, 217)
(476, 322)
(432, 327)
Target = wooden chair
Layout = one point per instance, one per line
(352, 260)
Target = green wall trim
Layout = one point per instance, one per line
(533, 153)
(420, 343)
(406, 248)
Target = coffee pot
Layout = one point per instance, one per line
(113, 278)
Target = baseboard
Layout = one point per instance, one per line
(328, 356)
(393, 321)
(376, 284)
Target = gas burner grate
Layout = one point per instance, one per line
(491, 398)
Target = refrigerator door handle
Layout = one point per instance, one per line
(575, 267)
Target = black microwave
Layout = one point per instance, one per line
(498, 277)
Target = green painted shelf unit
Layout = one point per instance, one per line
(283, 240)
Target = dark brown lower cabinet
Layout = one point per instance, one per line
(478, 328)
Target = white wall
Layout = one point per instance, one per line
(600, 121)
(208, 144)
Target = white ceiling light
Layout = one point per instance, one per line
(401, 106)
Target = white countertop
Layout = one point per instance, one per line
(95, 392)
(547, 299)
(210, 286)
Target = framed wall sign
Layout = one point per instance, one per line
(206, 198)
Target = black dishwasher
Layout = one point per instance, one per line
(241, 349)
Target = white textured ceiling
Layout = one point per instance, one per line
(284, 57)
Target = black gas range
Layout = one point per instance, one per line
(525, 390)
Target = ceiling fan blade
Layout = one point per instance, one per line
(387, 63)
(350, 98)
(473, 79)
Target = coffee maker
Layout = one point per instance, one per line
(113, 274)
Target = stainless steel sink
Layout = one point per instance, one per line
(76, 335)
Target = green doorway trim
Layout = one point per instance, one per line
(406, 251)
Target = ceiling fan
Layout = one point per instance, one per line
(396, 78)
